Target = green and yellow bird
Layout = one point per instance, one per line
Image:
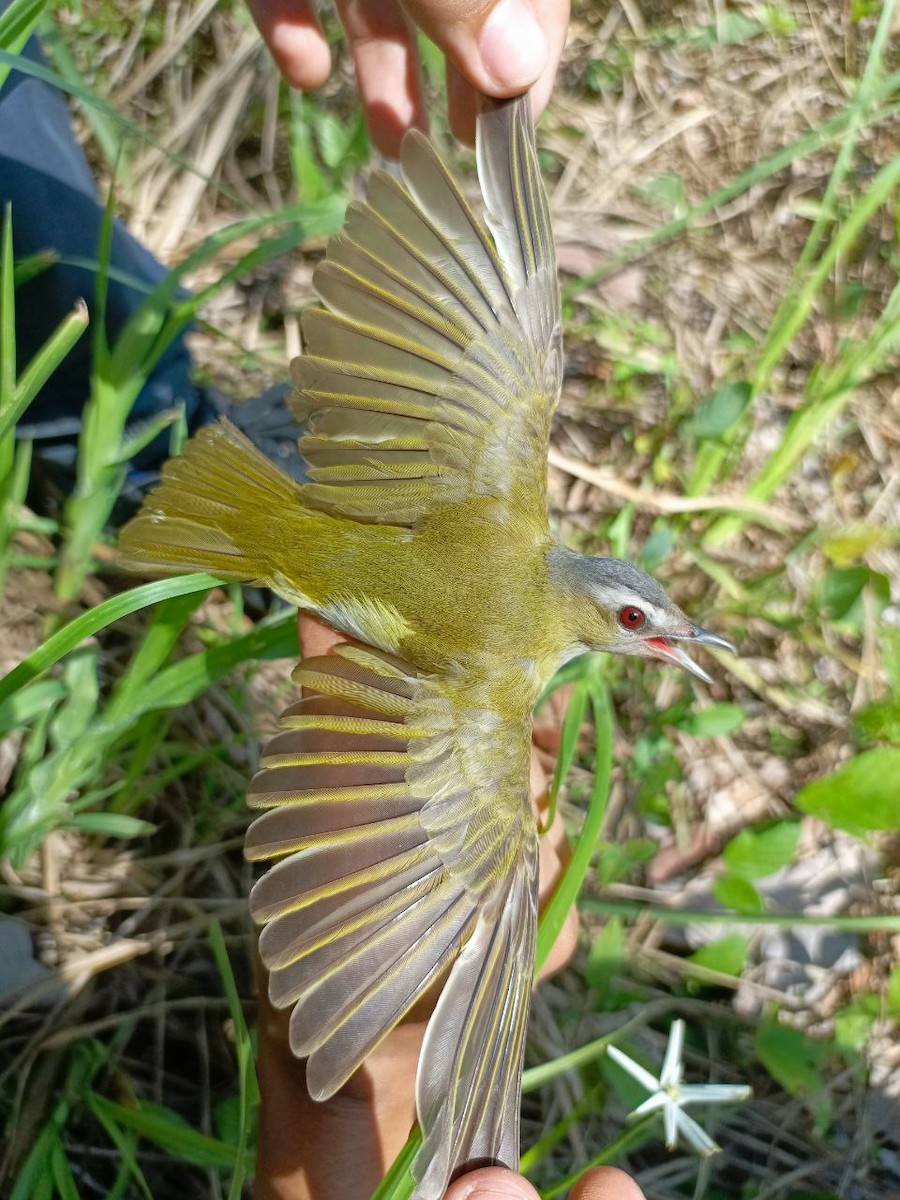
(397, 799)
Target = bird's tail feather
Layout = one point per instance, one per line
(213, 510)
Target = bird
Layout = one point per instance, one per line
(396, 808)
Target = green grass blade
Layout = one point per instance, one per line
(823, 402)
(823, 135)
(554, 915)
(398, 1183)
(161, 1127)
(97, 618)
(44, 363)
(7, 322)
(249, 1090)
(124, 1141)
(17, 23)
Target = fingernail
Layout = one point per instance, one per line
(512, 45)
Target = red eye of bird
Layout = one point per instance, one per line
(631, 617)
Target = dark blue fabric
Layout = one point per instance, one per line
(44, 174)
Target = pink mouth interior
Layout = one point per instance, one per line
(659, 645)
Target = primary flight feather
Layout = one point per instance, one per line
(396, 799)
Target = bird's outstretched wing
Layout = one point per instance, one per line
(434, 371)
(398, 809)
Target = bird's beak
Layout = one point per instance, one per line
(664, 648)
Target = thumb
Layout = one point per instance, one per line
(501, 47)
(491, 1183)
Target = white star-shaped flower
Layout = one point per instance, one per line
(672, 1096)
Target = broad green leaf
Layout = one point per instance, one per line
(733, 891)
(762, 850)
(715, 721)
(854, 1023)
(880, 722)
(727, 955)
(847, 546)
(861, 796)
(658, 546)
(721, 410)
(792, 1058)
(616, 860)
(606, 955)
(893, 994)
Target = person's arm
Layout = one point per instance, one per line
(493, 47)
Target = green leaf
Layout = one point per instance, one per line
(31, 702)
(880, 722)
(616, 860)
(893, 994)
(83, 688)
(727, 955)
(847, 546)
(715, 721)
(854, 1023)
(731, 29)
(861, 796)
(606, 955)
(111, 824)
(733, 891)
(763, 849)
(721, 411)
(658, 546)
(792, 1058)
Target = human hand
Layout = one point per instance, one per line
(494, 47)
(338, 1149)
(496, 1183)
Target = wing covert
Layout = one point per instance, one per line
(435, 368)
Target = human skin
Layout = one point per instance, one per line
(493, 47)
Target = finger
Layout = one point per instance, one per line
(490, 1183)
(606, 1183)
(315, 636)
(385, 56)
(495, 48)
(553, 854)
(291, 30)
